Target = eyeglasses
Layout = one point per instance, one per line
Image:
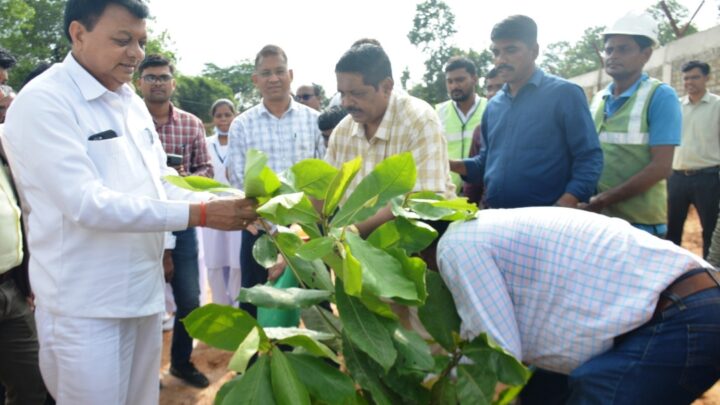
(152, 79)
(304, 97)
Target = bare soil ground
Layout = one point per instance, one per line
(213, 362)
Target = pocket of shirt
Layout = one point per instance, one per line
(110, 159)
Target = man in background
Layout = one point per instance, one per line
(311, 95)
(183, 134)
(696, 162)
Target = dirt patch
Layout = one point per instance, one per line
(213, 362)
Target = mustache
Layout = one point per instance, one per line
(353, 110)
(504, 66)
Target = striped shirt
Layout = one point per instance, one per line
(286, 140)
(409, 125)
(184, 134)
(555, 286)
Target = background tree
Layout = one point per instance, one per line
(433, 28)
(196, 94)
(239, 79)
(567, 59)
(32, 30)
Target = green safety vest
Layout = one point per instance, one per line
(624, 140)
(458, 133)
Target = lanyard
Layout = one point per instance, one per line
(217, 153)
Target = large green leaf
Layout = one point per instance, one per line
(245, 351)
(439, 315)
(201, 183)
(407, 386)
(444, 391)
(313, 176)
(414, 269)
(288, 209)
(475, 384)
(312, 273)
(254, 387)
(309, 345)
(259, 180)
(382, 274)
(264, 251)
(340, 183)
(413, 236)
(366, 372)
(223, 391)
(392, 177)
(414, 353)
(219, 326)
(316, 248)
(364, 329)
(287, 387)
(283, 298)
(288, 241)
(324, 382)
(352, 274)
(322, 320)
(378, 306)
(484, 351)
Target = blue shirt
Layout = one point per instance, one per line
(664, 113)
(537, 146)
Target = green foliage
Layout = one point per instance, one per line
(387, 363)
(32, 30)
(432, 32)
(196, 94)
(239, 79)
(568, 60)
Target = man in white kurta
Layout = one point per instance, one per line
(89, 163)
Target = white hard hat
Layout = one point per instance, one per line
(635, 23)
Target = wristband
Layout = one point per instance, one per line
(203, 213)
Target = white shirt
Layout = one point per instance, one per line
(98, 209)
(555, 286)
(11, 251)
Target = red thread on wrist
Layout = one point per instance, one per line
(203, 213)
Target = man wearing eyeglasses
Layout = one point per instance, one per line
(183, 134)
(639, 122)
(285, 130)
(311, 95)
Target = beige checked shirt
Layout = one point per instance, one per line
(409, 125)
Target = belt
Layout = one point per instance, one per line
(692, 172)
(686, 286)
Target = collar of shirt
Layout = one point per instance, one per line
(535, 79)
(383, 133)
(90, 88)
(291, 107)
(627, 93)
(470, 111)
(706, 98)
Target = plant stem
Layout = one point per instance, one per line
(266, 228)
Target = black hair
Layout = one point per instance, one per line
(87, 12)
(318, 90)
(6, 59)
(704, 67)
(461, 62)
(368, 60)
(37, 71)
(518, 27)
(219, 102)
(642, 41)
(270, 50)
(329, 118)
(155, 60)
(491, 74)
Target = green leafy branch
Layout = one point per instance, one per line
(362, 354)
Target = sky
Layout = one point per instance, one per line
(315, 33)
